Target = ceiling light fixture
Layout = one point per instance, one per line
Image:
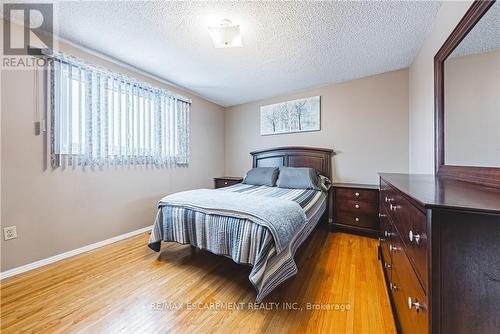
(226, 35)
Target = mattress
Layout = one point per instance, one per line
(239, 238)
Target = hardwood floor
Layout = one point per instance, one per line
(125, 287)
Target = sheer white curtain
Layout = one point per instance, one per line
(100, 118)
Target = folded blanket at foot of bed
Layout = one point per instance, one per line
(263, 230)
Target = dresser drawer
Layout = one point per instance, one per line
(387, 195)
(411, 225)
(387, 235)
(393, 202)
(408, 295)
(413, 233)
(360, 220)
(362, 195)
(356, 207)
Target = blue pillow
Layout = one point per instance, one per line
(298, 178)
(262, 176)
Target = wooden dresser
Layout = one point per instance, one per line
(441, 253)
(356, 208)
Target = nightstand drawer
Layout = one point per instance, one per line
(220, 182)
(357, 194)
(356, 207)
(368, 221)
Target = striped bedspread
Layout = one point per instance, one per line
(239, 238)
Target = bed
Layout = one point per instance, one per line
(236, 221)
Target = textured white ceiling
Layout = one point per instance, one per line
(484, 37)
(288, 46)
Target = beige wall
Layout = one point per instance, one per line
(365, 121)
(57, 211)
(422, 87)
(472, 110)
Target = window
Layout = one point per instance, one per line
(103, 118)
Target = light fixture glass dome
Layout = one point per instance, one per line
(226, 35)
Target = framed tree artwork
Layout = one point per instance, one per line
(291, 116)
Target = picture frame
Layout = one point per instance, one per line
(300, 115)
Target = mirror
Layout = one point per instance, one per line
(471, 87)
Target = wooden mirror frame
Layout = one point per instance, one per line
(487, 176)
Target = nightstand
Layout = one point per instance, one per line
(356, 208)
(226, 181)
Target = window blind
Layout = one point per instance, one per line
(100, 118)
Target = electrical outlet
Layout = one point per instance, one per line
(9, 232)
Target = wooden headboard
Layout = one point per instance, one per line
(296, 156)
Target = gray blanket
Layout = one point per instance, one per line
(282, 217)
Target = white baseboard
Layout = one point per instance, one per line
(70, 253)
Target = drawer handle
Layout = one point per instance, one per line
(388, 199)
(381, 215)
(393, 207)
(413, 303)
(388, 266)
(357, 206)
(393, 248)
(225, 182)
(356, 194)
(388, 234)
(414, 237)
(356, 219)
(393, 286)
